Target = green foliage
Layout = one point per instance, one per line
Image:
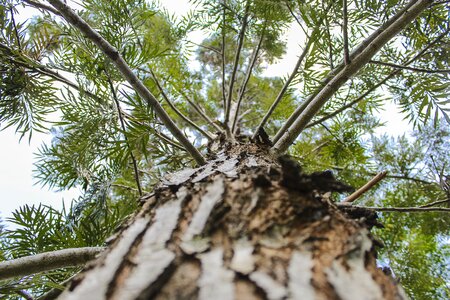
(54, 79)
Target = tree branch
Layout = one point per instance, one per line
(397, 209)
(404, 67)
(436, 203)
(206, 134)
(345, 32)
(354, 66)
(224, 97)
(358, 50)
(128, 74)
(247, 78)
(122, 124)
(47, 261)
(371, 183)
(380, 83)
(236, 63)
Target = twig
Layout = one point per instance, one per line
(122, 124)
(444, 71)
(247, 78)
(206, 47)
(365, 187)
(345, 32)
(236, 63)
(47, 261)
(224, 97)
(296, 18)
(359, 61)
(435, 203)
(16, 32)
(369, 41)
(125, 187)
(128, 74)
(200, 111)
(398, 209)
(206, 134)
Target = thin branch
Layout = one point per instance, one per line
(286, 85)
(371, 183)
(122, 124)
(128, 74)
(367, 43)
(206, 47)
(47, 261)
(206, 134)
(224, 97)
(436, 203)
(247, 77)
(16, 32)
(345, 32)
(398, 209)
(403, 67)
(236, 64)
(200, 111)
(380, 83)
(409, 178)
(42, 6)
(350, 70)
(296, 19)
(168, 140)
(125, 187)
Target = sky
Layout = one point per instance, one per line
(17, 186)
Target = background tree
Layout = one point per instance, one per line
(152, 102)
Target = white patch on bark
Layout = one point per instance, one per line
(243, 260)
(229, 167)
(179, 177)
(356, 275)
(273, 289)
(216, 282)
(96, 282)
(213, 195)
(208, 170)
(152, 259)
(251, 162)
(300, 276)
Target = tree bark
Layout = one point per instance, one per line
(247, 225)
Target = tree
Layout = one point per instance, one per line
(222, 210)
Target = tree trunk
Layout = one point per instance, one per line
(244, 226)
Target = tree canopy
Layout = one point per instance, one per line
(128, 95)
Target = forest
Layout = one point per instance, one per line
(204, 175)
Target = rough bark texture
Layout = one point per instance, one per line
(245, 226)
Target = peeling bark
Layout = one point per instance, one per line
(246, 225)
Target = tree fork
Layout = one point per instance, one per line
(245, 226)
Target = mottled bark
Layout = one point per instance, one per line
(245, 226)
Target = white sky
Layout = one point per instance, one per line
(16, 159)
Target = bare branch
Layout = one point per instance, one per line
(236, 63)
(128, 74)
(247, 78)
(122, 124)
(398, 209)
(339, 79)
(47, 261)
(286, 84)
(436, 203)
(345, 32)
(224, 97)
(404, 67)
(206, 134)
(200, 111)
(371, 183)
(358, 50)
